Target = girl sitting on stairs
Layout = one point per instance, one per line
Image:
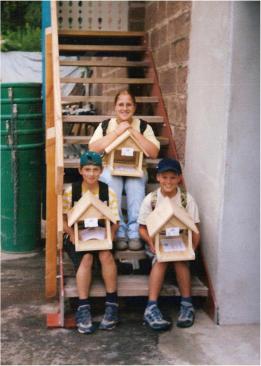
(109, 130)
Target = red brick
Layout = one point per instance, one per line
(161, 11)
(171, 110)
(167, 80)
(181, 79)
(182, 25)
(175, 7)
(180, 139)
(162, 57)
(154, 39)
(151, 12)
(163, 35)
(180, 106)
(180, 50)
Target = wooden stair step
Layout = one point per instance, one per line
(130, 255)
(164, 141)
(100, 34)
(133, 285)
(104, 63)
(75, 163)
(91, 80)
(101, 48)
(100, 118)
(103, 99)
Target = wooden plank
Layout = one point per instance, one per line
(134, 285)
(59, 221)
(100, 118)
(100, 48)
(106, 81)
(75, 163)
(104, 63)
(101, 99)
(130, 255)
(99, 34)
(51, 198)
(57, 104)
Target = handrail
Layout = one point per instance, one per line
(59, 162)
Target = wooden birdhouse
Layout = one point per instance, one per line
(91, 220)
(171, 226)
(125, 156)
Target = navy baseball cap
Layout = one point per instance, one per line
(90, 158)
(169, 165)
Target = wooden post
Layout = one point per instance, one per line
(51, 198)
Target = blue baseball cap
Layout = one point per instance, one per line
(90, 158)
(169, 165)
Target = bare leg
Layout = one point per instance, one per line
(84, 276)
(156, 279)
(109, 270)
(183, 278)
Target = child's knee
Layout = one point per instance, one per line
(106, 257)
(87, 260)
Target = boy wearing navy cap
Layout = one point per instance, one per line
(169, 176)
(90, 170)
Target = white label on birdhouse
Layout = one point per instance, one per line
(173, 245)
(172, 231)
(127, 151)
(91, 222)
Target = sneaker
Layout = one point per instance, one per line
(135, 244)
(154, 318)
(186, 316)
(84, 320)
(121, 244)
(110, 318)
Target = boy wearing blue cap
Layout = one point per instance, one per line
(169, 175)
(90, 170)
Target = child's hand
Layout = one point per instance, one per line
(152, 248)
(123, 126)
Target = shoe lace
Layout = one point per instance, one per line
(156, 314)
(186, 311)
(83, 314)
(110, 312)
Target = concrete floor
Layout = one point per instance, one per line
(26, 340)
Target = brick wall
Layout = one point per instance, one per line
(168, 26)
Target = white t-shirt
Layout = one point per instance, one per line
(146, 208)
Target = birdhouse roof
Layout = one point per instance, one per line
(164, 212)
(86, 201)
(119, 140)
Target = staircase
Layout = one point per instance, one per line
(65, 133)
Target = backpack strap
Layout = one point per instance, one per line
(143, 126)
(154, 197)
(76, 191)
(104, 126)
(183, 197)
(104, 192)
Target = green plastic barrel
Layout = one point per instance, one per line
(22, 143)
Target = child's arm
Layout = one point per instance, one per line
(68, 230)
(145, 236)
(195, 238)
(114, 228)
